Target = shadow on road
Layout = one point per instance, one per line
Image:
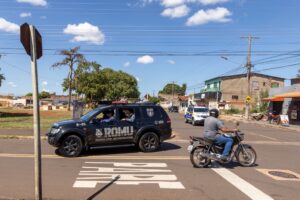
(232, 165)
(165, 146)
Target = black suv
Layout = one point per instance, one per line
(145, 126)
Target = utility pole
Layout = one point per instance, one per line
(173, 92)
(248, 66)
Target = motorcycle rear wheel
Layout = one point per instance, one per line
(246, 156)
(197, 160)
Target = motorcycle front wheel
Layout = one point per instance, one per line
(246, 156)
(197, 160)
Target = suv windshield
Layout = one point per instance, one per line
(200, 109)
(88, 115)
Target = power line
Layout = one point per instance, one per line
(272, 68)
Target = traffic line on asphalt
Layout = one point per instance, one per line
(267, 137)
(6, 155)
(130, 174)
(242, 185)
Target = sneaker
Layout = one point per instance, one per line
(224, 158)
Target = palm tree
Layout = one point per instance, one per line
(2, 78)
(72, 59)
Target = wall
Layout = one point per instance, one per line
(238, 87)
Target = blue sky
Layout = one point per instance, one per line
(157, 41)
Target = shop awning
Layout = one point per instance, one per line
(275, 98)
(289, 95)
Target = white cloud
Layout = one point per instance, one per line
(85, 32)
(210, 2)
(34, 2)
(45, 83)
(126, 64)
(25, 14)
(8, 26)
(172, 62)
(11, 84)
(145, 60)
(171, 3)
(219, 14)
(138, 79)
(176, 12)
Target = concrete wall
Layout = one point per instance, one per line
(238, 87)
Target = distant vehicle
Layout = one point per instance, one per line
(173, 109)
(196, 115)
(143, 125)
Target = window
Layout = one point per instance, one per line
(274, 85)
(127, 114)
(215, 84)
(151, 112)
(255, 85)
(235, 97)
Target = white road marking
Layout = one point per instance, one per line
(132, 177)
(116, 164)
(129, 174)
(122, 170)
(162, 184)
(245, 187)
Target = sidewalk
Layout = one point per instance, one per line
(19, 132)
(261, 122)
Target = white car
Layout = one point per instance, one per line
(196, 115)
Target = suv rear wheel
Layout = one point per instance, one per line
(149, 142)
(71, 146)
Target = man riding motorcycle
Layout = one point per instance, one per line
(212, 126)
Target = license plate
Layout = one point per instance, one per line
(190, 148)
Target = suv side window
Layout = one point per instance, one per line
(127, 114)
(151, 112)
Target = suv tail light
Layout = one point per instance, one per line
(168, 121)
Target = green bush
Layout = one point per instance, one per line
(232, 111)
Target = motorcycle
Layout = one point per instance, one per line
(203, 151)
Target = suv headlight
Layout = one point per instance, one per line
(54, 131)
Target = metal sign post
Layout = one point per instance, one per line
(30, 38)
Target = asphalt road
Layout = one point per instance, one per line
(166, 174)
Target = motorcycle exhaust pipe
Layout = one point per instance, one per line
(211, 156)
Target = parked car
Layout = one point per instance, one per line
(196, 115)
(173, 109)
(143, 125)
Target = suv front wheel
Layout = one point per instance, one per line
(149, 142)
(71, 146)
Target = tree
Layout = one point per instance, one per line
(171, 88)
(263, 104)
(2, 78)
(298, 75)
(72, 59)
(29, 94)
(120, 85)
(102, 84)
(154, 100)
(44, 95)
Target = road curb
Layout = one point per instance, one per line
(19, 137)
(234, 119)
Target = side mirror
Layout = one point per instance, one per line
(94, 121)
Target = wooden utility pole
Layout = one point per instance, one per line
(248, 66)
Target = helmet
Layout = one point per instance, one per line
(214, 113)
